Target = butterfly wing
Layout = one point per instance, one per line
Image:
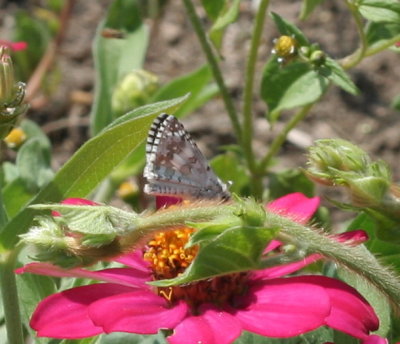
(175, 166)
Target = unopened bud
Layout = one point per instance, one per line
(134, 90)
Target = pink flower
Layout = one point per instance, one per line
(213, 311)
(14, 46)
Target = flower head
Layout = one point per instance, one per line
(209, 311)
(285, 47)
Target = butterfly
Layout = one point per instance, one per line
(176, 167)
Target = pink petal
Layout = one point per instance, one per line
(64, 315)
(124, 276)
(74, 201)
(350, 312)
(78, 201)
(136, 312)
(352, 238)
(14, 46)
(284, 307)
(296, 206)
(134, 260)
(17, 46)
(211, 327)
(285, 269)
(374, 339)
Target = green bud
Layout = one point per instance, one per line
(318, 57)
(11, 94)
(134, 90)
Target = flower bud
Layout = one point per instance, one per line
(15, 138)
(338, 162)
(285, 47)
(134, 90)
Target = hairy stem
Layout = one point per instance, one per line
(213, 62)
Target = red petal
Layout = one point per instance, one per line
(296, 206)
(211, 327)
(284, 307)
(64, 315)
(136, 312)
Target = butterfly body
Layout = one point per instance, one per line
(176, 167)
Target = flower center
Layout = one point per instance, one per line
(168, 258)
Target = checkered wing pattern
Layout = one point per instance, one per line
(176, 167)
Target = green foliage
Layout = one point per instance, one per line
(308, 7)
(381, 10)
(295, 85)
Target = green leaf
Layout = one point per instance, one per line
(227, 17)
(91, 164)
(387, 252)
(318, 336)
(307, 7)
(338, 76)
(381, 10)
(116, 57)
(236, 249)
(213, 7)
(229, 169)
(381, 34)
(288, 181)
(15, 196)
(33, 165)
(32, 130)
(195, 84)
(131, 338)
(289, 29)
(296, 84)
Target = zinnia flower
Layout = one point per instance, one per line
(210, 311)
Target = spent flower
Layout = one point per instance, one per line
(11, 94)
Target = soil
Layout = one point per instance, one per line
(366, 120)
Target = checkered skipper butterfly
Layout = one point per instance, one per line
(176, 167)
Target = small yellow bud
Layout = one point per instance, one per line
(127, 189)
(15, 138)
(285, 47)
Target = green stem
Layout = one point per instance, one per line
(213, 62)
(355, 58)
(10, 298)
(380, 47)
(355, 258)
(249, 85)
(280, 139)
